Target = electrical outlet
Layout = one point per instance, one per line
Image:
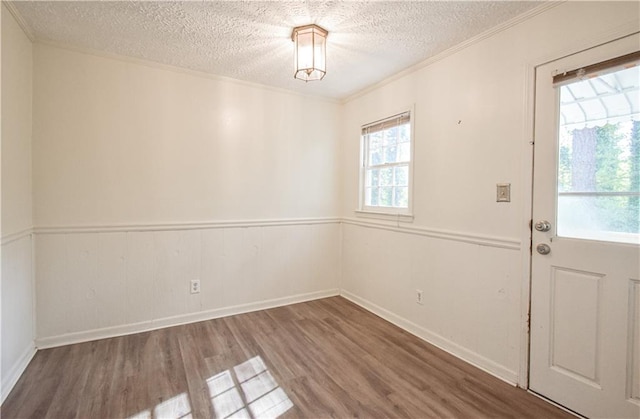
(195, 286)
(419, 297)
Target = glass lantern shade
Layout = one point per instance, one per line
(310, 52)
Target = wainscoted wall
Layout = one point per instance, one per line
(470, 288)
(94, 284)
(171, 155)
(136, 167)
(17, 308)
(473, 129)
(17, 302)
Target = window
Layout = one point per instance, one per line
(599, 157)
(385, 176)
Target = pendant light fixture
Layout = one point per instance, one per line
(310, 52)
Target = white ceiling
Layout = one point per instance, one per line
(251, 40)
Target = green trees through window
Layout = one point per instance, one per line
(599, 177)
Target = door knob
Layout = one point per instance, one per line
(543, 226)
(543, 249)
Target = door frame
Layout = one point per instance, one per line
(528, 155)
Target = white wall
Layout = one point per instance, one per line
(146, 178)
(92, 285)
(17, 290)
(117, 142)
(465, 251)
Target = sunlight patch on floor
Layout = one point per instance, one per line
(177, 407)
(259, 392)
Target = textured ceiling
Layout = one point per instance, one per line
(251, 40)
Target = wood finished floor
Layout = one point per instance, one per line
(325, 358)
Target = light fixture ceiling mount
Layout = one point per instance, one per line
(310, 52)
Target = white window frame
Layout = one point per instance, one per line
(384, 212)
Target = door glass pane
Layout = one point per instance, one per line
(599, 158)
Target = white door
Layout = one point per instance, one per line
(585, 292)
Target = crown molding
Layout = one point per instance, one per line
(19, 19)
(456, 48)
(181, 70)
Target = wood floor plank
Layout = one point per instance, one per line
(320, 359)
(194, 363)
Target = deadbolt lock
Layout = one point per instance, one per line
(543, 226)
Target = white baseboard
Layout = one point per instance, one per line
(477, 360)
(128, 329)
(11, 378)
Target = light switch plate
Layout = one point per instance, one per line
(503, 192)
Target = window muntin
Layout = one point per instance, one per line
(386, 165)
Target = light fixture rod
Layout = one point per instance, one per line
(297, 29)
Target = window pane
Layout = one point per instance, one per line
(404, 152)
(375, 157)
(390, 136)
(386, 176)
(610, 218)
(390, 154)
(386, 196)
(402, 176)
(402, 197)
(375, 196)
(374, 146)
(375, 140)
(371, 178)
(599, 158)
(371, 196)
(404, 134)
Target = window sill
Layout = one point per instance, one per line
(388, 216)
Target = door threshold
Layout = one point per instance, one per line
(556, 404)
